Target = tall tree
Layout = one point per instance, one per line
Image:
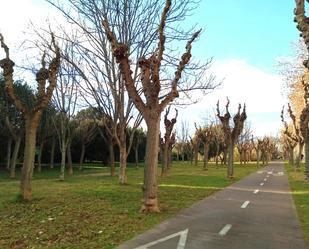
(156, 97)
(294, 135)
(231, 133)
(31, 114)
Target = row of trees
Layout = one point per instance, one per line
(295, 134)
(116, 58)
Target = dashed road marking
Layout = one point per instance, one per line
(245, 204)
(256, 191)
(225, 229)
(262, 183)
(265, 179)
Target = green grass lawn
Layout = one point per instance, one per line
(300, 190)
(91, 210)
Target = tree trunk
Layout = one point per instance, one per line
(39, 169)
(63, 156)
(164, 159)
(298, 158)
(29, 155)
(257, 157)
(195, 156)
(82, 155)
(123, 164)
(111, 158)
(136, 155)
(150, 192)
(291, 156)
(206, 149)
(8, 153)
(217, 154)
(169, 159)
(307, 160)
(52, 154)
(230, 167)
(70, 164)
(14, 157)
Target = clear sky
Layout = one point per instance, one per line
(244, 37)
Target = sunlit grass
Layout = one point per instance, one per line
(300, 190)
(91, 210)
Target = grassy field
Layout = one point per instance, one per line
(300, 189)
(90, 209)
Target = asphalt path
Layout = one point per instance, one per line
(255, 213)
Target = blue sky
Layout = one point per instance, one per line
(255, 30)
(244, 37)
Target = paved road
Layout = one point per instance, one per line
(255, 213)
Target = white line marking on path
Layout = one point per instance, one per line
(256, 191)
(267, 176)
(181, 243)
(245, 204)
(265, 179)
(262, 183)
(225, 229)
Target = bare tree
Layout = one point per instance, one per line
(231, 133)
(304, 124)
(183, 137)
(205, 135)
(294, 135)
(65, 100)
(167, 141)
(32, 115)
(155, 99)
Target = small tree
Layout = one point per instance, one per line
(31, 114)
(231, 133)
(205, 136)
(167, 141)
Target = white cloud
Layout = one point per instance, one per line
(243, 83)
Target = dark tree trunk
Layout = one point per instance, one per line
(111, 158)
(8, 153)
(70, 164)
(230, 167)
(52, 153)
(39, 168)
(136, 155)
(14, 157)
(206, 149)
(82, 155)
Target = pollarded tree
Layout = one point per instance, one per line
(304, 124)
(303, 26)
(231, 134)
(167, 141)
(195, 144)
(218, 141)
(32, 114)
(156, 98)
(294, 135)
(205, 135)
